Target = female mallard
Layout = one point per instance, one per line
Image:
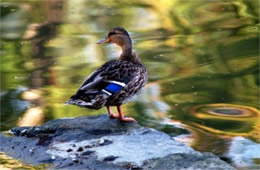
(116, 81)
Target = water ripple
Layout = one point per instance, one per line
(227, 119)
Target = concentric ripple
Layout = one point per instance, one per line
(225, 110)
(227, 119)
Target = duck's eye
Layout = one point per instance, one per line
(111, 33)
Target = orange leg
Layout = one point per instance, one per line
(122, 117)
(111, 115)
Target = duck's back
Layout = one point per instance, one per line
(113, 84)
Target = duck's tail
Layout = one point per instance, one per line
(82, 103)
(78, 102)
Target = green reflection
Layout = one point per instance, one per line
(10, 163)
(198, 53)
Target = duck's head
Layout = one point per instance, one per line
(118, 36)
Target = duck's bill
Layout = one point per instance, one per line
(104, 40)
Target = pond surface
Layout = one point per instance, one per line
(202, 58)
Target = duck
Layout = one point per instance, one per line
(116, 82)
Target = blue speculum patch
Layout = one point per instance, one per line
(113, 88)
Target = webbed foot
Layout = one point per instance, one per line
(127, 119)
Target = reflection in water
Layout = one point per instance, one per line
(198, 53)
(227, 119)
(244, 152)
(12, 107)
(32, 117)
(8, 163)
(34, 114)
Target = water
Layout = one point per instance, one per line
(202, 58)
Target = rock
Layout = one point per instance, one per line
(100, 143)
(243, 151)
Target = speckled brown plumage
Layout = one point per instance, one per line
(116, 81)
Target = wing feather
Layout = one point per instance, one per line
(114, 71)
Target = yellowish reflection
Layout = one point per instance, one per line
(227, 119)
(9, 163)
(31, 95)
(34, 115)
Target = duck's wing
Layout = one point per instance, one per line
(94, 77)
(110, 78)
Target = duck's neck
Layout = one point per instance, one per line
(128, 54)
